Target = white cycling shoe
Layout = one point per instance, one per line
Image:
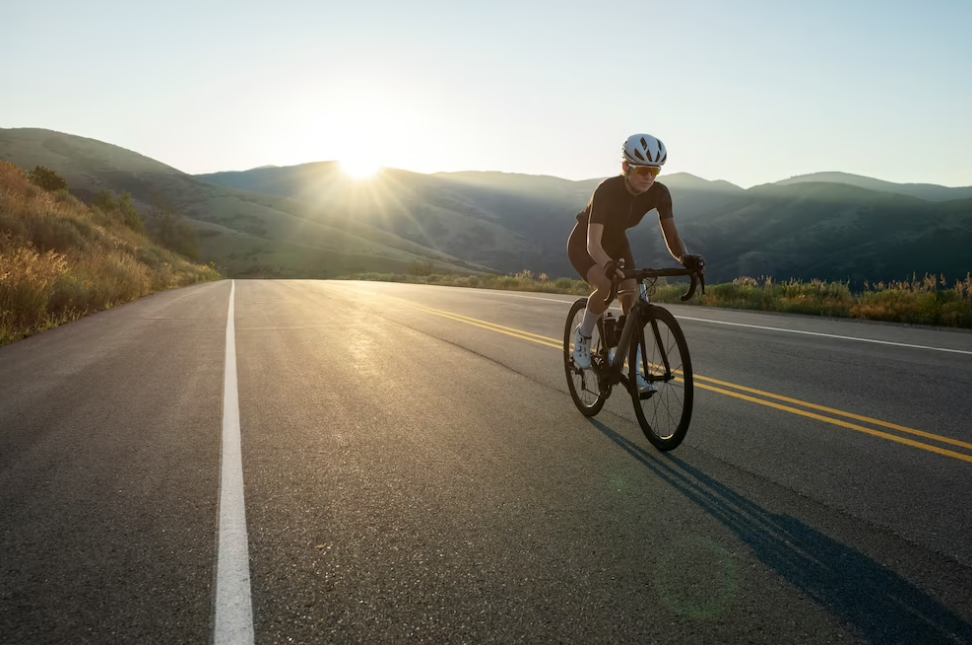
(582, 350)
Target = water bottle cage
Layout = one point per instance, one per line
(613, 329)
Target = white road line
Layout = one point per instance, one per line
(735, 324)
(816, 333)
(556, 300)
(234, 610)
(489, 292)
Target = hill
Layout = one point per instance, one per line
(929, 192)
(60, 260)
(245, 234)
(834, 232)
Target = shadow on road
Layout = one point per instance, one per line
(864, 595)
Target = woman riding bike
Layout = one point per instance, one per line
(599, 238)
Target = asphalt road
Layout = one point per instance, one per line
(414, 473)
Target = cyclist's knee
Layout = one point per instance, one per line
(598, 279)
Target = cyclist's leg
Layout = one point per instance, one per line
(577, 253)
(591, 273)
(602, 288)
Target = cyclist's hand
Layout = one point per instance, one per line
(692, 261)
(613, 268)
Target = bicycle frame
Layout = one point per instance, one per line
(612, 375)
(634, 320)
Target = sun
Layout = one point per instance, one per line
(360, 169)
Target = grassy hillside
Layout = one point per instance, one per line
(61, 260)
(242, 233)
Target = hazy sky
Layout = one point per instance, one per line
(750, 91)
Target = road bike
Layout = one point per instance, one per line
(662, 397)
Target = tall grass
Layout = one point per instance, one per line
(61, 260)
(928, 301)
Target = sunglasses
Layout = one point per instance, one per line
(654, 171)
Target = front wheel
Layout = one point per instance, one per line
(663, 394)
(583, 384)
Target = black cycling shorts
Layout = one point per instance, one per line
(582, 261)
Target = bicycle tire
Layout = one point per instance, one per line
(571, 370)
(679, 367)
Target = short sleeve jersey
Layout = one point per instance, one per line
(618, 210)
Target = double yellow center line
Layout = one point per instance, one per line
(746, 394)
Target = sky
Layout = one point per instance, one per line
(749, 91)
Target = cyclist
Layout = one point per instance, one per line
(598, 240)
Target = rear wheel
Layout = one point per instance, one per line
(583, 384)
(664, 415)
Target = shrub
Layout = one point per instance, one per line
(47, 179)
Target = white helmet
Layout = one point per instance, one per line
(644, 150)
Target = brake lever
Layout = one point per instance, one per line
(615, 283)
(691, 291)
(697, 277)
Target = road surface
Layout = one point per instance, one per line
(413, 470)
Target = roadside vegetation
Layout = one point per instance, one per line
(927, 301)
(61, 259)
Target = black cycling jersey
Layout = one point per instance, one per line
(618, 210)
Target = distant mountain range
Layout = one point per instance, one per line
(929, 192)
(836, 232)
(507, 221)
(311, 220)
(798, 227)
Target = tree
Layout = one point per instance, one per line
(105, 200)
(131, 217)
(171, 229)
(121, 209)
(47, 179)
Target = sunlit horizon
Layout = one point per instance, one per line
(360, 169)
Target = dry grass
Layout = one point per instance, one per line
(61, 260)
(927, 301)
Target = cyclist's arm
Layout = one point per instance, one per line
(674, 241)
(666, 218)
(595, 232)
